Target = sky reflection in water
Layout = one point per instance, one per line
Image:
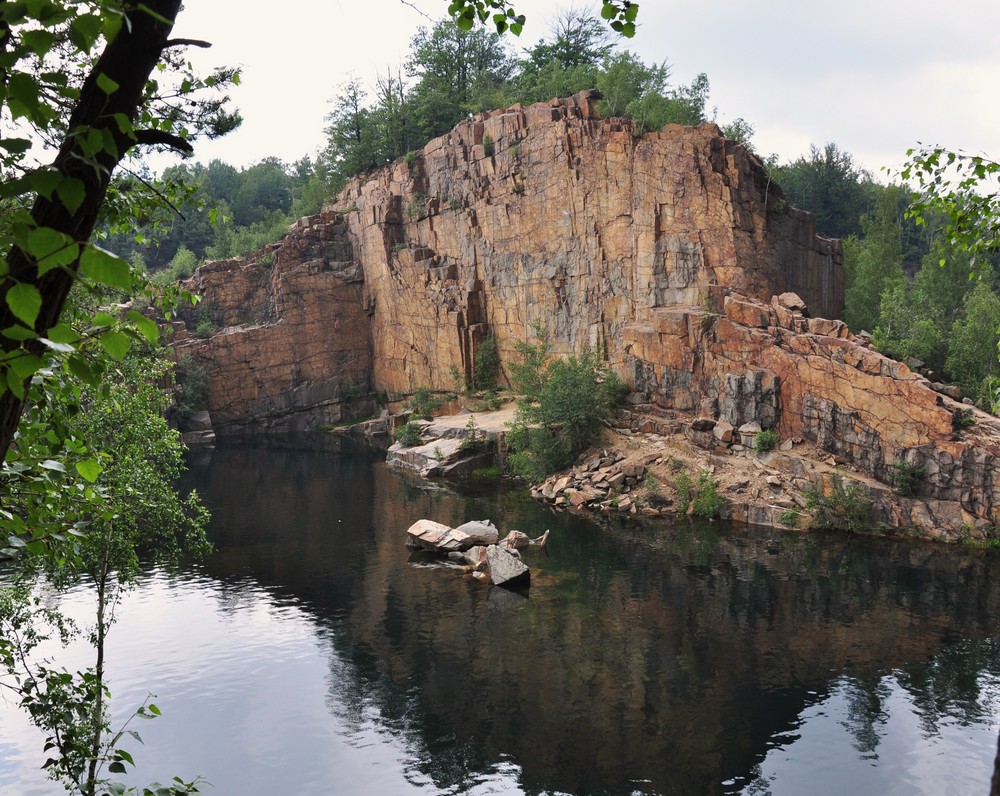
(308, 656)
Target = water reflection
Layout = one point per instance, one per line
(646, 658)
(311, 656)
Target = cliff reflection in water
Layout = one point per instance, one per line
(649, 658)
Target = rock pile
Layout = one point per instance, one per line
(478, 544)
(605, 482)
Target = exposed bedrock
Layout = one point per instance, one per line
(665, 249)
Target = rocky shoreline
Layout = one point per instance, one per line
(644, 462)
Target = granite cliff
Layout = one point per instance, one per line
(667, 249)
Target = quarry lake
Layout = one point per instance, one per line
(310, 655)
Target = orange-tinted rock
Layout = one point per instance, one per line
(671, 250)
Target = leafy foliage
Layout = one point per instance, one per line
(766, 440)
(906, 478)
(425, 403)
(682, 485)
(563, 405)
(846, 508)
(621, 16)
(486, 364)
(451, 72)
(961, 189)
(118, 508)
(408, 435)
(829, 184)
(707, 500)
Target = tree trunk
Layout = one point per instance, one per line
(127, 60)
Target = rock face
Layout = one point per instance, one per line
(671, 250)
(294, 350)
(571, 221)
(810, 378)
(565, 219)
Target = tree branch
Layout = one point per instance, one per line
(161, 138)
(187, 43)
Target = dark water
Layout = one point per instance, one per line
(311, 655)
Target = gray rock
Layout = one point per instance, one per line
(479, 532)
(516, 540)
(505, 569)
(476, 556)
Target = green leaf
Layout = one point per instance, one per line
(71, 193)
(63, 333)
(15, 383)
(105, 268)
(84, 31)
(147, 327)
(116, 344)
(125, 756)
(16, 146)
(50, 248)
(38, 41)
(25, 302)
(89, 469)
(106, 84)
(54, 465)
(22, 90)
(20, 333)
(103, 319)
(25, 365)
(82, 369)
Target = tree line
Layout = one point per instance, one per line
(451, 73)
(920, 293)
(448, 74)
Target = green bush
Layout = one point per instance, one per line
(564, 405)
(488, 146)
(764, 441)
(181, 267)
(682, 483)
(651, 484)
(458, 379)
(424, 403)
(528, 375)
(790, 517)
(906, 478)
(409, 435)
(707, 500)
(535, 452)
(492, 401)
(192, 389)
(486, 364)
(846, 508)
(963, 418)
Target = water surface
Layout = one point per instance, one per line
(312, 654)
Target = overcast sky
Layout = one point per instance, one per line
(874, 76)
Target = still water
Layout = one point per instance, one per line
(311, 655)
